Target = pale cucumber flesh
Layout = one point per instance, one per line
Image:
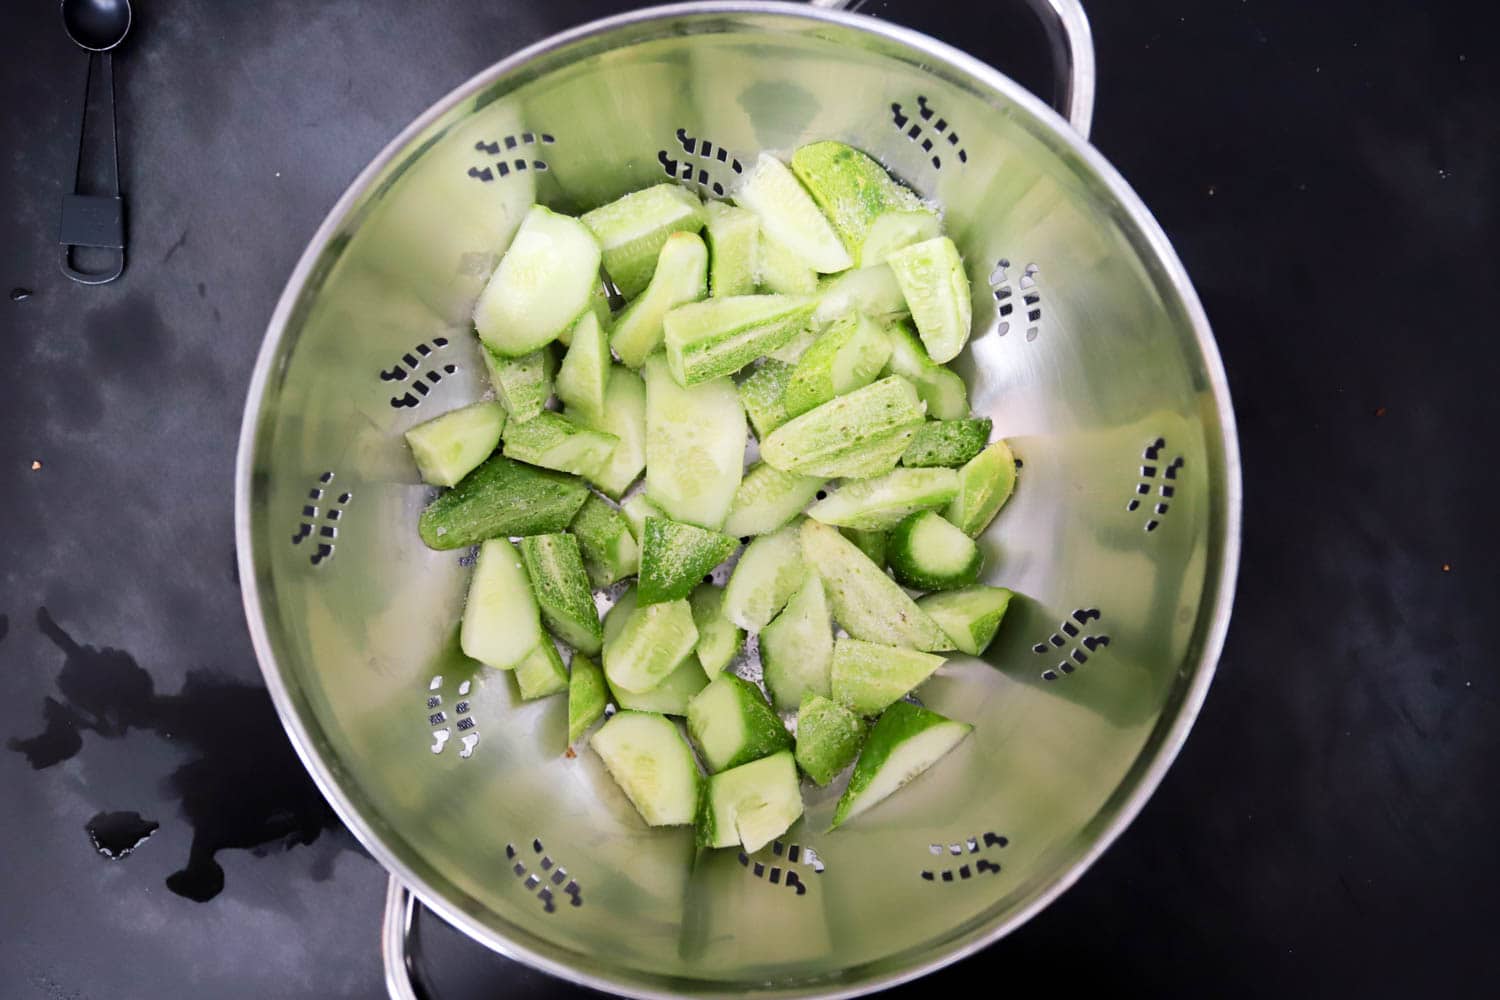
(451, 446)
(695, 446)
(501, 623)
(652, 764)
(543, 282)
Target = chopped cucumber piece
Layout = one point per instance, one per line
(847, 356)
(877, 504)
(828, 737)
(971, 616)
(672, 695)
(652, 764)
(695, 446)
(906, 741)
(868, 676)
(552, 441)
(767, 575)
(501, 625)
(584, 375)
(720, 336)
(780, 271)
(789, 215)
(500, 499)
(636, 510)
(624, 416)
(632, 230)
(733, 246)
(871, 543)
(647, 644)
(750, 805)
(523, 385)
(681, 277)
(796, 649)
(599, 306)
(587, 696)
(451, 446)
(610, 552)
(675, 556)
(932, 280)
(731, 723)
(852, 189)
(791, 352)
(984, 484)
(542, 672)
(928, 553)
(761, 394)
(768, 499)
(719, 639)
(896, 231)
(850, 434)
(543, 282)
(561, 585)
(869, 604)
(949, 443)
(869, 290)
(941, 389)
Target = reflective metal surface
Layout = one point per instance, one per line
(1091, 354)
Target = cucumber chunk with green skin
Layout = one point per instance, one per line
(705, 340)
(584, 374)
(761, 393)
(501, 499)
(636, 510)
(767, 575)
(868, 676)
(828, 738)
(791, 352)
(789, 215)
(941, 389)
(523, 385)
(869, 290)
(599, 306)
(561, 585)
(847, 356)
(780, 271)
(675, 556)
(645, 643)
(869, 604)
(948, 443)
(970, 616)
(896, 231)
(552, 441)
(609, 548)
(928, 553)
(878, 456)
(625, 417)
(719, 639)
(932, 280)
(984, 484)
(906, 741)
(587, 696)
(796, 648)
(681, 277)
(852, 190)
(871, 543)
(768, 499)
(840, 437)
(672, 695)
(652, 764)
(878, 504)
(632, 230)
(543, 282)
(733, 248)
(731, 723)
(501, 623)
(695, 446)
(451, 446)
(542, 672)
(750, 805)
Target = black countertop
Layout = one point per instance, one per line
(1328, 173)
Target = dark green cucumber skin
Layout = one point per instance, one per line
(706, 550)
(595, 526)
(761, 393)
(849, 743)
(896, 725)
(554, 562)
(501, 499)
(764, 733)
(906, 562)
(948, 443)
(871, 543)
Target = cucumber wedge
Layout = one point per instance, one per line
(942, 390)
(451, 446)
(791, 352)
(584, 374)
(761, 393)
(867, 676)
(695, 446)
(672, 695)
(869, 290)
(610, 552)
(543, 282)
(501, 499)
(840, 437)
(768, 499)
(501, 625)
(587, 695)
(731, 723)
(675, 556)
(717, 337)
(767, 575)
(984, 484)
(932, 280)
(647, 644)
(681, 277)
(796, 649)
(871, 543)
(971, 616)
(751, 805)
(869, 604)
(652, 764)
(552, 441)
(789, 215)
(523, 385)
(906, 741)
(719, 639)
(780, 271)
(733, 249)
(896, 231)
(878, 456)
(948, 443)
(878, 504)
(929, 553)
(632, 230)
(636, 510)
(542, 672)
(624, 416)
(847, 356)
(561, 585)
(852, 190)
(828, 738)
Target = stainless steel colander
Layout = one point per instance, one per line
(1090, 352)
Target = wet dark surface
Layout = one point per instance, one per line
(1328, 174)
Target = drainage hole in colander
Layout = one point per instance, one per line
(1071, 643)
(922, 129)
(325, 529)
(1157, 478)
(548, 875)
(701, 163)
(438, 718)
(785, 874)
(422, 368)
(1005, 306)
(494, 165)
(971, 846)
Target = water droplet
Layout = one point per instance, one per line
(20, 294)
(116, 834)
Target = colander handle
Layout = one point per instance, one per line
(399, 926)
(1072, 50)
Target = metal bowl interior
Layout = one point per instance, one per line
(1090, 353)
